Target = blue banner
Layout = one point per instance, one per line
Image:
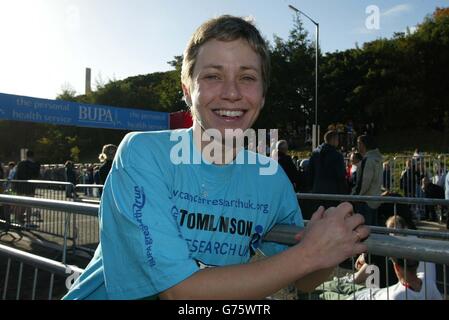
(59, 112)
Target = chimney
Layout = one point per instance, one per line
(88, 89)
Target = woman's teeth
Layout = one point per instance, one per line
(229, 113)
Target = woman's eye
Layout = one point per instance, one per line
(212, 77)
(248, 78)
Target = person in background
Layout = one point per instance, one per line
(11, 173)
(386, 174)
(355, 162)
(327, 169)
(70, 176)
(409, 178)
(403, 210)
(286, 163)
(440, 175)
(27, 169)
(369, 178)
(431, 191)
(415, 282)
(106, 157)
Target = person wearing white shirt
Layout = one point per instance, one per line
(411, 285)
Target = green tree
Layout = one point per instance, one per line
(290, 97)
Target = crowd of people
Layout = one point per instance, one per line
(30, 169)
(347, 134)
(75, 173)
(362, 171)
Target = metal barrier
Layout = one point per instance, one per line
(87, 228)
(440, 206)
(419, 166)
(88, 212)
(45, 220)
(434, 167)
(85, 218)
(28, 276)
(383, 246)
(382, 199)
(88, 192)
(379, 243)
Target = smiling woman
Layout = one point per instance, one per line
(156, 244)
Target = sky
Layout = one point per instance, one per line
(47, 44)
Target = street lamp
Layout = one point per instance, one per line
(317, 35)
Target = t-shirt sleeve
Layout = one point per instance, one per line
(144, 252)
(288, 213)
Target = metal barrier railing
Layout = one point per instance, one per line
(69, 209)
(48, 221)
(379, 243)
(87, 226)
(395, 171)
(88, 192)
(441, 205)
(35, 277)
(91, 211)
(381, 199)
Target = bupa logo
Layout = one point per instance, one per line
(95, 114)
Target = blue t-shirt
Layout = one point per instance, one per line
(161, 220)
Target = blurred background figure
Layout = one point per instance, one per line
(106, 157)
(286, 162)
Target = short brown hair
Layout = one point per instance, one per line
(330, 135)
(397, 221)
(226, 28)
(411, 265)
(368, 141)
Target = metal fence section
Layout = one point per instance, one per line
(406, 172)
(381, 244)
(403, 174)
(432, 254)
(87, 229)
(25, 276)
(88, 192)
(436, 210)
(84, 217)
(44, 220)
(423, 247)
(411, 247)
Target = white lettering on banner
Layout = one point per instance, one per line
(95, 114)
(22, 102)
(26, 116)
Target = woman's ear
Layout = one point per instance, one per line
(187, 97)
